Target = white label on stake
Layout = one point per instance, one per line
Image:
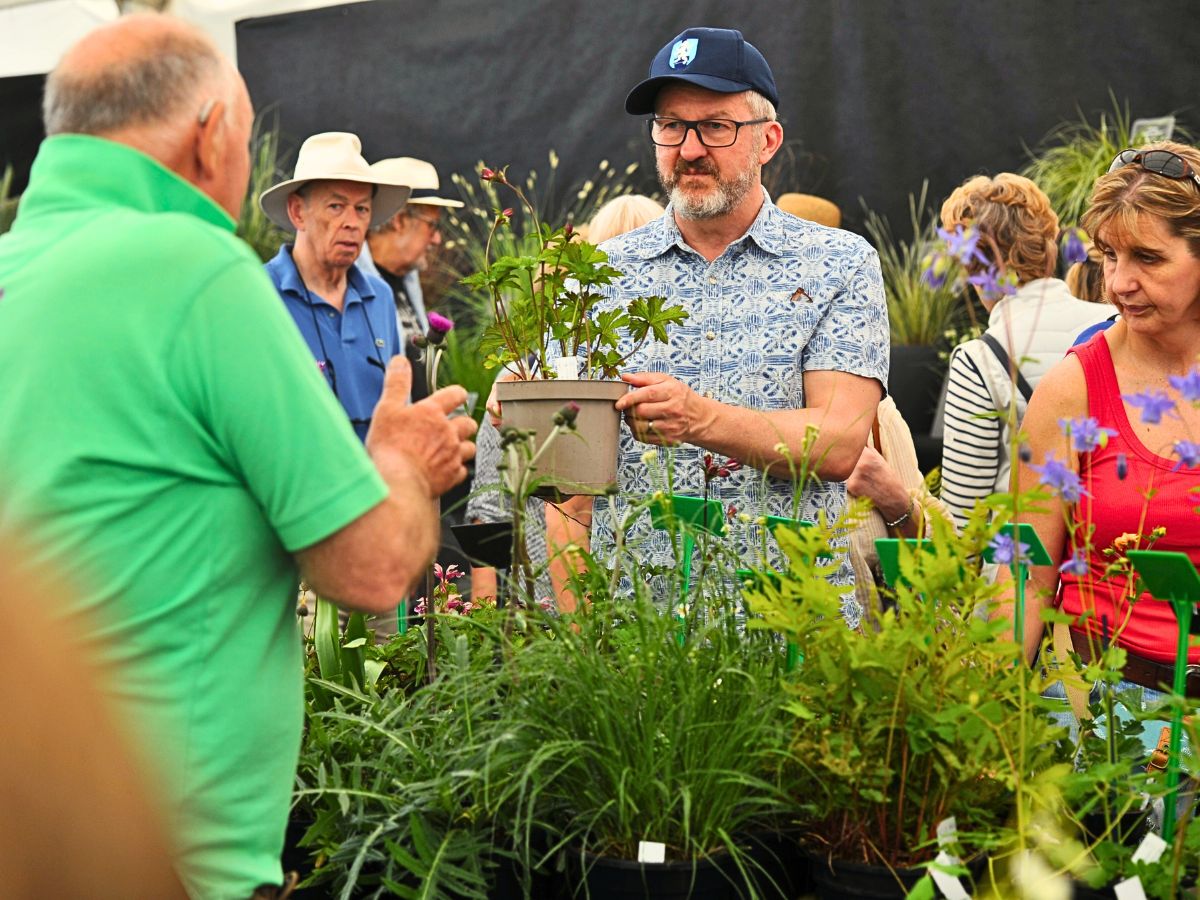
(651, 852)
(1129, 889)
(1151, 849)
(949, 885)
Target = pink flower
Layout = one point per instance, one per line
(439, 327)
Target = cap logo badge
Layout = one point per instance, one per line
(683, 52)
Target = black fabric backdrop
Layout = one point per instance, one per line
(881, 95)
(20, 125)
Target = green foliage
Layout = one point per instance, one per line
(918, 314)
(545, 296)
(8, 203)
(1074, 154)
(269, 166)
(921, 717)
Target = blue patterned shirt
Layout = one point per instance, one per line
(788, 297)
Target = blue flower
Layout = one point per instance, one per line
(935, 268)
(1060, 477)
(991, 284)
(1188, 453)
(1085, 433)
(1077, 565)
(1074, 246)
(1153, 404)
(1004, 551)
(963, 244)
(1188, 385)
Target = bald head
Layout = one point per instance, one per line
(141, 71)
(159, 85)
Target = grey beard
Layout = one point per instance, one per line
(720, 201)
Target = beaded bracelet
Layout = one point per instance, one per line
(904, 518)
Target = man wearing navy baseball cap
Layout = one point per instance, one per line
(787, 335)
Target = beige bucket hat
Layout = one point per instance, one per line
(419, 175)
(334, 156)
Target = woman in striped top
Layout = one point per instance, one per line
(1032, 327)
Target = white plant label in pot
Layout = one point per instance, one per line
(1150, 850)
(651, 852)
(949, 885)
(1129, 889)
(567, 368)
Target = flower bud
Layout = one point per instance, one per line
(486, 174)
(567, 415)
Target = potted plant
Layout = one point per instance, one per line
(921, 315)
(647, 732)
(919, 718)
(552, 330)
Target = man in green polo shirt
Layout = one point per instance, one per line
(167, 444)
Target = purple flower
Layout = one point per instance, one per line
(567, 415)
(935, 269)
(1188, 453)
(1060, 477)
(439, 327)
(1085, 433)
(1074, 246)
(1004, 551)
(990, 284)
(1153, 404)
(1077, 565)
(1122, 466)
(962, 244)
(1188, 385)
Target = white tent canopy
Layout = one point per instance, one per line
(34, 33)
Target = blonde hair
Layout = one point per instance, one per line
(1123, 195)
(621, 214)
(1085, 279)
(1014, 213)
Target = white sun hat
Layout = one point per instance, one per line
(334, 156)
(421, 176)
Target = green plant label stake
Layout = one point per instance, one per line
(793, 657)
(888, 550)
(402, 617)
(693, 514)
(1171, 576)
(1037, 556)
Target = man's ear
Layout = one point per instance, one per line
(210, 132)
(772, 141)
(295, 211)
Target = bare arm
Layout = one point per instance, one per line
(370, 563)
(663, 410)
(1062, 393)
(568, 526)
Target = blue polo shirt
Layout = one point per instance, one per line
(352, 346)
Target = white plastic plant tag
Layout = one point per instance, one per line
(567, 368)
(947, 831)
(651, 852)
(1150, 850)
(1129, 889)
(949, 885)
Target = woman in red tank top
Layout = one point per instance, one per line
(1113, 428)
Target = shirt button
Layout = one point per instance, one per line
(708, 394)
(378, 342)
(711, 335)
(330, 314)
(712, 279)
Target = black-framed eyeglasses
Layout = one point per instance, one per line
(434, 224)
(1157, 162)
(668, 132)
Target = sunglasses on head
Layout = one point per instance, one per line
(1157, 162)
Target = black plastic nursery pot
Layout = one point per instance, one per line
(839, 879)
(607, 878)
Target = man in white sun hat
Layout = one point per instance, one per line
(398, 250)
(345, 315)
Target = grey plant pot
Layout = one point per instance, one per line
(581, 463)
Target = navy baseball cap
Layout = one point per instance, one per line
(718, 59)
